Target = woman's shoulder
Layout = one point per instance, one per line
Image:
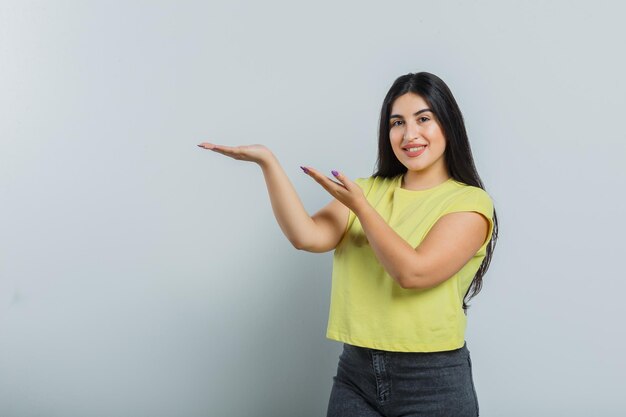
(470, 194)
(470, 189)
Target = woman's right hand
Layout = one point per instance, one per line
(253, 153)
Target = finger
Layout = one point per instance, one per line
(341, 177)
(213, 146)
(324, 181)
(207, 145)
(314, 173)
(233, 152)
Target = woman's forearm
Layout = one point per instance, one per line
(290, 214)
(393, 252)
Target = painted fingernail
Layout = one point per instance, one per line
(335, 173)
(306, 171)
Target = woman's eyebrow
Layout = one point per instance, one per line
(414, 114)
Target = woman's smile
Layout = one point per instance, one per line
(413, 151)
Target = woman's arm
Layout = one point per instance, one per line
(449, 245)
(320, 233)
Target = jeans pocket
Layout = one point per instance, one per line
(469, 360)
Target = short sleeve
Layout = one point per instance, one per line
(478, 200)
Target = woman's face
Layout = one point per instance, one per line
(413, 125)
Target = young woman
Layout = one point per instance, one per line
(410, 243)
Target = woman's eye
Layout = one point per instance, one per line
(424, 117)
(397, 121)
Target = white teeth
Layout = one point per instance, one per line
(416, 149)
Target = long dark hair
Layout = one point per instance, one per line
(457, 155)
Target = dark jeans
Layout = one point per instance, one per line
(376, 383)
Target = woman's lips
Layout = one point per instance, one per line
(414, 154)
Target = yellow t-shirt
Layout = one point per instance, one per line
(368, 308)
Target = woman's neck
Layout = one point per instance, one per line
(417, 181)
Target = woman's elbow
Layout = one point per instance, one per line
(413, 282)
(407, 282)
(300, 245)
(307, 248)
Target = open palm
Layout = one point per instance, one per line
(254, 153)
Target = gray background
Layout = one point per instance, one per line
(144, 276)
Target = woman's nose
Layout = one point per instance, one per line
(411, 132)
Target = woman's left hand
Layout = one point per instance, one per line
(347, 192)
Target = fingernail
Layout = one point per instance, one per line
(335, 173)
(306, 171)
